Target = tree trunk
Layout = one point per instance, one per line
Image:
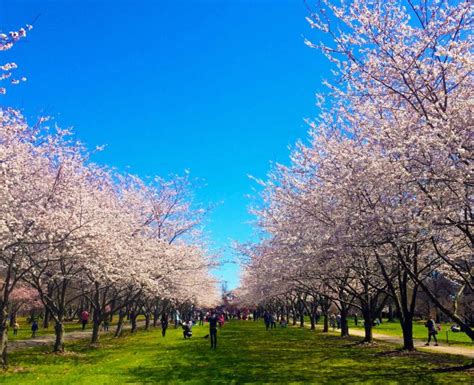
(344, 323)
(95, 332)
(147, 320)
(12, 318)
(118, 330)
(59, 337)
(369, 338)
(407, 329)
(3, 339)
(390, 313)
(313, 323)
(47, 315)
(326, 323)
(156, 316)
(302, 320)
(96, 321)
(133, 320)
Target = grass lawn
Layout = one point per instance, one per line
(419, 331)
(25, 327)
(246, 354)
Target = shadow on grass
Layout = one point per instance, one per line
(249, 354)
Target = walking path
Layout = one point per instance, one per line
(419, 344)
(48, 339)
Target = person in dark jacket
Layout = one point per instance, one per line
(164, 324)
(432, 331)
(213, 322)
(187, 329)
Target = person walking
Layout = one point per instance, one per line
(16, 326)
(201, 318)
(266, 320)
(213, 321)
(432, 331)
(84, 319)
(164, 324)
(272, 321)
(34, 328)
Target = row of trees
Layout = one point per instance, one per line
(84, 235)
(377, 207)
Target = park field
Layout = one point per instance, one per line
(246, 353)
(445, 335)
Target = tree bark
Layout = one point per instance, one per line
(133, 320)
(118, 330)
(326, 323)
(147, 320)
(407, 328)
(47, 315)
(344, 323)
(156, 316)
(59, 337)
(3, 339)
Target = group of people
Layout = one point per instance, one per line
(215, 320)
(270, 321)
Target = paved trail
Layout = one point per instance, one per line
(419, 344)
(48, 339)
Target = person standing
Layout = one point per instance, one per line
(164, 324)
(213, 321)
(432, 331)
(201, 318)
(272, 321)
(34, 328)
(16, 326)
(266, 320)
(84, 318)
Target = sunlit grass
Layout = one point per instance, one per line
(419, 331)
(246, 354)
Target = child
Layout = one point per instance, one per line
(34, 328)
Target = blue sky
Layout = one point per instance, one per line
(219, 88)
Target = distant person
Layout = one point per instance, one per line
(266, 320)
(201, 318)
(84, 319)
(16, 327)
(164, 324)
(338, 321)
(273, 324)
(332, 321)
(432, 331)
(187, 329)
(106, 324)
(34, 328)
(455, 328)
(177, 319)
(221, 320)
(283, 322)
(213, 321)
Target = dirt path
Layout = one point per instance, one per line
(48, 340)
(419, 344)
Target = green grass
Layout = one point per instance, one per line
(246, 354)
(419, 331)
(24, 332)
